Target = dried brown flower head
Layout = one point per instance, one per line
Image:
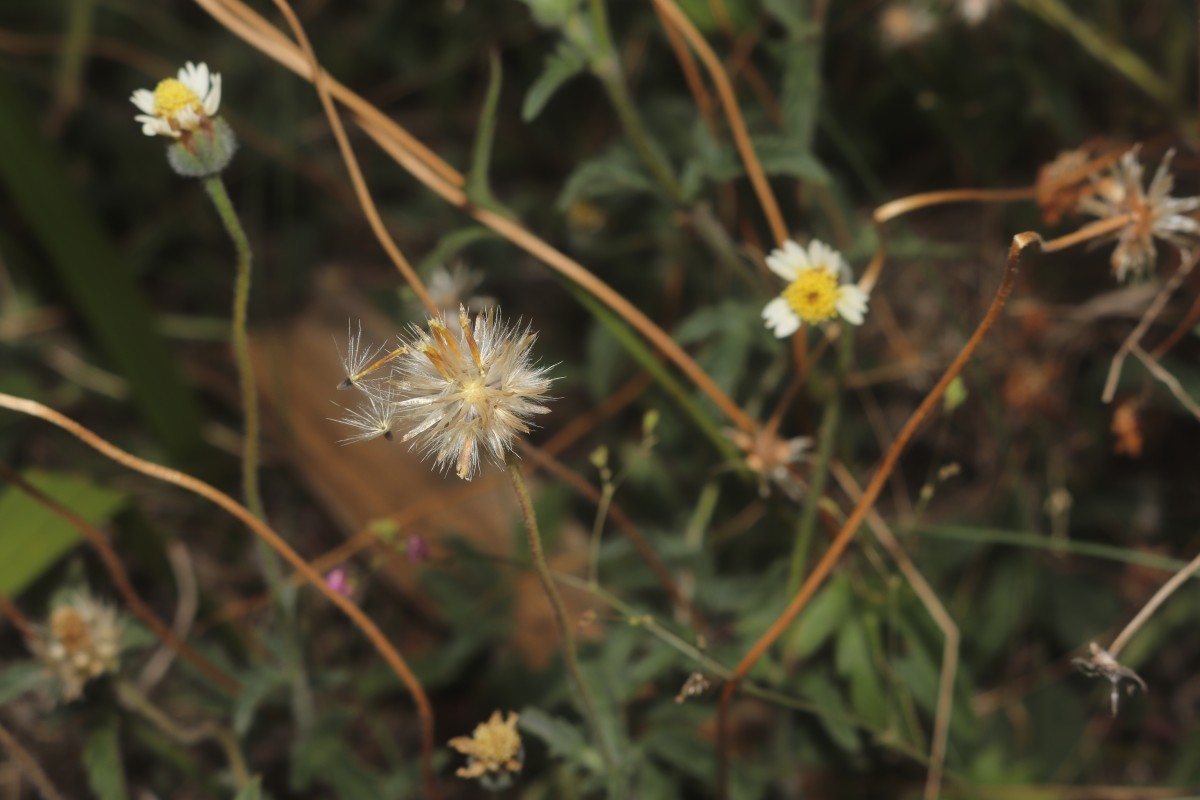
(1153, 212)
(81, 641)
(1102, 664)
(494, 753)
(771, 458)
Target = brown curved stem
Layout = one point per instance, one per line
(364, 623)
(447, 182)
(670, 12)
(862, 507)
(370, 211)
(121, 580)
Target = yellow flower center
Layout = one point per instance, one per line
(813, 295)
(496, 743)
(171, 97)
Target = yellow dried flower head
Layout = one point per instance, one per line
(493, 751)
(179, 104)
(81, 641)
(1153, 212)
(818, 288)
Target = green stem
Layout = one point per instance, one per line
(820, 474)
(608, 69)
(302, 701)
(132, 699)
(606, 496)
(241, 342)
(582, 691)
(1120, 59)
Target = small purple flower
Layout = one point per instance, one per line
(339, 580)
(417, 549)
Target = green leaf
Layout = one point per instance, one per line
(789, 13)
(454, 243)
(801, 90)
(478, 190)
(563, 64)
(102, 761)
(615, 172)
(35, 537)
(87, 266)
(252, 790)
(782, 155)
(855, 661)
(552, 13)
(18, 678)
(561, 738)
(821, 692)
(256, 688)
(818, 622)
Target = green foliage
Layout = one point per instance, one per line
(35, 537)
(102, 760)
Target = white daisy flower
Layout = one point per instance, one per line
(818, 289)
(179, 105)
(81, 641)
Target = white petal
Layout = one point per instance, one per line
(213, 101)
(144, 100)
(156, 126)
(852, 304)
(784, 263)
(188, 119)
(780, 318)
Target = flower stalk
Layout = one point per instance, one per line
(583, 693)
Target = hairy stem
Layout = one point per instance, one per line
(583, 692)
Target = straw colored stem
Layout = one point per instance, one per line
(447, 182)
(671, 13)
(275, 541)
(121, 580)
(850, 527)
(1169, 588)
(320, 80)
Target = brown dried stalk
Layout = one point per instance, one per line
(370, 211)
(364, 623)
(112, 562)
(758, 179)
(447, 182)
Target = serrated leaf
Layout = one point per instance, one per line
(561, 738)
(102, 761)
(34, 537)
(478, 189)
(561, 66)
(612, 173)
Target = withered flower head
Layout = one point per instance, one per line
(493, 750)
(81, 641)
(1152, 211)
(1102, 664)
